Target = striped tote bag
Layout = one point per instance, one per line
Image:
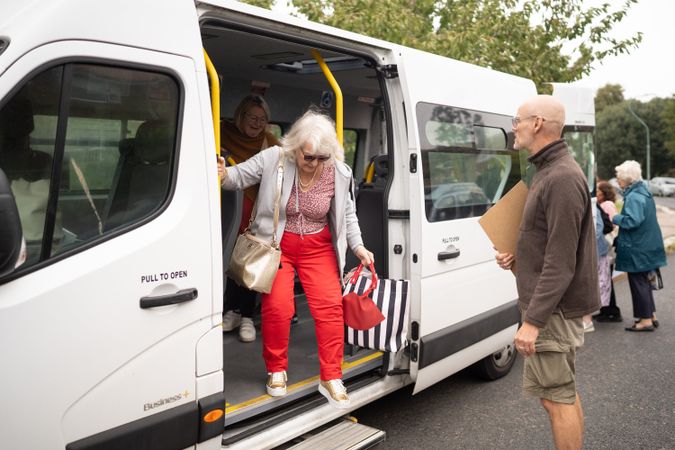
(392, 298)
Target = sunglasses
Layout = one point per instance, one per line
(310, 158)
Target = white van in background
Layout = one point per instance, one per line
(110, 332)
(579, 127)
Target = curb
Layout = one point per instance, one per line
(669, 244)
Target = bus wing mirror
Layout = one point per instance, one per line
(10, 228)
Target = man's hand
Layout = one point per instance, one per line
(525, 338)
(505, 260)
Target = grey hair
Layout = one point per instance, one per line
(629, 171)
(316, 129)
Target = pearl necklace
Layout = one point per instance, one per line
(304, 187)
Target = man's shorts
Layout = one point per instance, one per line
(549, 373)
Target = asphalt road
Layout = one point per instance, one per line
(626, 382)
(665, 201)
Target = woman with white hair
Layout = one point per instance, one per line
(317, 221)
(639, 245)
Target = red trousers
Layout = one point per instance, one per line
(313, 258)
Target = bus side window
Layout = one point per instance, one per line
(117, 120)
(350, 144)
(466, 163)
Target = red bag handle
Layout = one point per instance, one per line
(373, 282)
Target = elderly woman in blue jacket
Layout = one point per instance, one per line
(639, 245)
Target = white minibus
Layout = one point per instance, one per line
(115, 234)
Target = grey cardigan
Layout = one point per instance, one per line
(262, 168)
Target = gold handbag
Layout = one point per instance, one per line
(254, 262)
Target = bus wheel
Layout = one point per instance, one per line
(497, 364)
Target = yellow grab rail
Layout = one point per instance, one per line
(215, 99)
(215, 104)
(338, 94)
(370, 172)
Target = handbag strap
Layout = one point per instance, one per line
(280, 179)
(373, 282)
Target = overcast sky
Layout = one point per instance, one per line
(650, 70)
(647, 71)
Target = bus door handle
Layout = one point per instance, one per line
(184, 295)
(450, 253)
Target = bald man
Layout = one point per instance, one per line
(556, 273)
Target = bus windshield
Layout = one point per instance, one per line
(580, 144)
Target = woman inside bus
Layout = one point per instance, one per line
(317, 221)
(240, 139)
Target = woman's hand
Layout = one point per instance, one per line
(365, 256)
(221, 167)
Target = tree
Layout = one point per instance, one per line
(668, 117)
(619, 136)
(548, 40)
(261, 3)
(610, 94)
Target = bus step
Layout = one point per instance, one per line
(344, 435)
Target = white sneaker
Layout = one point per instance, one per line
(231, 320)
(335, 392)
(589, 327)
(276, 384)
(246, 330)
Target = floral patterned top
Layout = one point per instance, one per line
(307, 212)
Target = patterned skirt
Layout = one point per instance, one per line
(605, 279)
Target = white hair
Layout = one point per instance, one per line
(629, 171)
(316, 129)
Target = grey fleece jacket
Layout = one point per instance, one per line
(556, 261)
(262, 168)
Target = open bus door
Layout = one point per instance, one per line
(461, 160)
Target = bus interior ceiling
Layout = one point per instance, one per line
(291, 81)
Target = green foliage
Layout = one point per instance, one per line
(261, 3)
(610, 94)
(349, 144)
(402, 21)
(619, 136)
(668, 117)
(548, 40)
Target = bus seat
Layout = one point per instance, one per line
(371, 209)
(143, 172)
(231, 204)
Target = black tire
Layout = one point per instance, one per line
(496, 365)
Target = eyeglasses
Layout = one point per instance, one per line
(310, 158)
(516, 120)
(256, 119)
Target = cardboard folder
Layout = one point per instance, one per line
(502, 222)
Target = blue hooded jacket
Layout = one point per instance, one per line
(639, 246)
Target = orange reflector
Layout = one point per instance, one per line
(214, 415)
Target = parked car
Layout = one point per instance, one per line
(662, 186)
